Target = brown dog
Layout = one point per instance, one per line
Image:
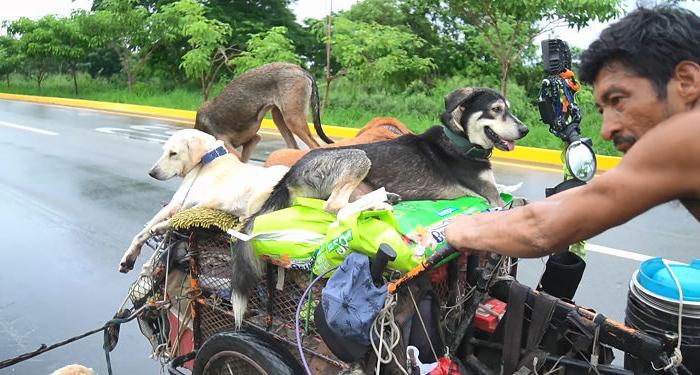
(234, 116)
(376, 130)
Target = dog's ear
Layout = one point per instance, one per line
(196, 149)
(453, 107)
(457, 97)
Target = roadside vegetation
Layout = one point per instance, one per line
(387, 57)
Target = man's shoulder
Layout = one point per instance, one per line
(689, 120)
(675, 135)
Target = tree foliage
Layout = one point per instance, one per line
(206, 39)
(266, 47)
(370, 52)
(131, 31)
(37, 44)
(10, 57)
(509, 26)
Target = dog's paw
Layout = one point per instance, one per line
(126, 264)
(508, 189)
(393, 198)
(518, 202)
(381, 206)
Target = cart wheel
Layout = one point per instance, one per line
(228, 353)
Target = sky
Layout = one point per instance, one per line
(13, 9)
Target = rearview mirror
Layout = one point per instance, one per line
(580, 161)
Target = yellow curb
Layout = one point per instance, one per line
(520, 154)
(551, 157)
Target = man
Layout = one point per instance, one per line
(645, 71)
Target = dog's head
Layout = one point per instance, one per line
(182, 152)
(483, 117)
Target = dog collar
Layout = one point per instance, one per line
(213, 154)
(468, 149)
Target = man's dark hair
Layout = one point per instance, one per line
(649, 42)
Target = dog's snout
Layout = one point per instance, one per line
(154, 172)
(523, 130)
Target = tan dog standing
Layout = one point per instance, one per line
(285, 89)
(212, 178)
(376, 130)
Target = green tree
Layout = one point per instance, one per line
(370, 52)
(250, 17)
(37, 44)
(508, 27)
(9, 57)
(444, 39)
(73, 43)
(206, 39)
(131, 31)
(266, 47)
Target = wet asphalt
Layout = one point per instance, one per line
(73, 196)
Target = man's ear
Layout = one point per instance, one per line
(687, 73)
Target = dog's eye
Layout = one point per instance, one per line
(172, 153)
(497, 109)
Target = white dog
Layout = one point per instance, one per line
(74, 369)
(212, 178)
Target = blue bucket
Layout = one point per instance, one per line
(654, 277)
(652, 307)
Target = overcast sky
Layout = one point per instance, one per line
(13, 9)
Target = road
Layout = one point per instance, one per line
(74, 190)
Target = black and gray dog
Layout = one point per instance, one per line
(445, 162)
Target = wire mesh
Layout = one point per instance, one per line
(271, 306)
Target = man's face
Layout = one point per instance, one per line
(629, 104)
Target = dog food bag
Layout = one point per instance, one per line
(361, 232)
(414, 229)
(290, 236)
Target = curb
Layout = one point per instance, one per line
(520, 154)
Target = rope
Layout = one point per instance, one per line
(425, 330)
(677, 357)
(385, 319)
(44, 348)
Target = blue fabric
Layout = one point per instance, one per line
(351, 301)
(213, 154)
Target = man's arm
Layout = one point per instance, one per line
(663, 165)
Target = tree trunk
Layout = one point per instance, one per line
(39, 78)
(324, 106)
(505, 66)
(205, 86)
(325, 94)
(130, 80)
(75, 81)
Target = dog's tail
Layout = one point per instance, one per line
(247, 268)
(315, 109)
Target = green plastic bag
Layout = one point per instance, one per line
(414, 229)
(362, 232)
(290, 236)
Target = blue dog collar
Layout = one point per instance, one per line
(213, 154)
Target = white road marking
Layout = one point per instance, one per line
(27, 128)
(617, 252)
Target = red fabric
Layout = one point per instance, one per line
(445, 366)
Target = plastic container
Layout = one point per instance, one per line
(652, 307)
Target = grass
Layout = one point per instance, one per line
(350, 104)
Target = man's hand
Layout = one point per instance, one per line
(457, 232)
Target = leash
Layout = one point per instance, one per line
(115, 322)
